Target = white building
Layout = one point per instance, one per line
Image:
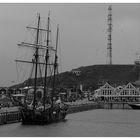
(76, 72)
(107, 93)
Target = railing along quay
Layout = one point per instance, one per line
(115, 105)
(9, 117)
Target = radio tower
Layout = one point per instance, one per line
(109, 44)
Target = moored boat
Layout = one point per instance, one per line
(134, 106)
(49, 108)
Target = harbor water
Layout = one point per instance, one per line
(93, 123)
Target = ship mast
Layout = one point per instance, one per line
(37, 46)
(55, 63)
(36, 62)
(46, 59)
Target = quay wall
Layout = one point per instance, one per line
(90, 106)
(9, 117)
(99, 105)
(14, 116)
(114, 106)
(83, 107)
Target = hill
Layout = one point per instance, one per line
(95, 75)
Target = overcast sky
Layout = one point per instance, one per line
(83, 33)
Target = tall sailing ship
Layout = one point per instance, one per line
(50, 108)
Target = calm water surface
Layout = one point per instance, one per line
(94, 123)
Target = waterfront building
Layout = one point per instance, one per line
(3, 91)
(108, 93)
(76, 72)
(105, 92)
(129, 93)
(72, 93)
(11, 91)
(18, 91)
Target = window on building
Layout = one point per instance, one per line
(103, 92)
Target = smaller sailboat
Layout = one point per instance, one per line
(49, 109)
(134, 106)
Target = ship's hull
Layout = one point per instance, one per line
(135, 106)
(29, 116)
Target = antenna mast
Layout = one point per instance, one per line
(109, 44)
